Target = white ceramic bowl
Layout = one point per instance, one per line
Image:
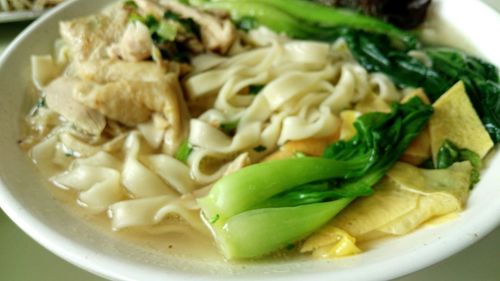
(29, 204)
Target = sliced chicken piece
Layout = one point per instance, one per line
(104, 71)
(135, 45)
(217, 34)
(116, 100)
(89, 37)
(131, 92)
(151, 8)
(176, 112)
(58, 95)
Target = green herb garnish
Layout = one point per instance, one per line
(260, 148)
(255, 89)
(229, 128)
(184, 151)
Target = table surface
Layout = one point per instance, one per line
(21, 258)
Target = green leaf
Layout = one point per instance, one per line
(244, 189)
(151, 22)
(303, 19)
(130, 4)
(450, 153)
(135, 17)
(255, 89)
(263, 207)
(313, 193)
(184, 151)
(214, 219)
(247, 23)
(188, 24)
(376, 53)
(258, 232)
(353, 165)
(260, 148)
(41, 103)
(166, 32)
(229, 128)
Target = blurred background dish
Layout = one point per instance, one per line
(20, 15)
(23, 10)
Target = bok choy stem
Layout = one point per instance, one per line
(304, 19)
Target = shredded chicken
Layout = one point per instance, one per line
(89, 37)
(103, 71)
(58, 97)
(118, 100)
(129, 92)
(135, 45)
(217, 34)
(110, 79)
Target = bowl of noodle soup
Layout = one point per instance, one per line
(51, 217)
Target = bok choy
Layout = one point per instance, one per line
(264, 207)
(304, 19)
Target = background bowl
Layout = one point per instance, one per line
(27, 201)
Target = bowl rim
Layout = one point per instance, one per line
(87, 259)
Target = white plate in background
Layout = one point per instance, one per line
(20, 15)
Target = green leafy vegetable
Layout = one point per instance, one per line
(481, 82)
(151, 22)
(167, 28)
(229, 128)
(298, 195)
(313, 193)
(175, 51)
(246, 188)
(69, 152)
(299, 154)
(41, 102)
(169, 15)
(303, 19)
(184, 151)
(188, 24)
(377, 54)
(255, 89)
(449, 153)
(256, 232)
(247, 23)
(161, 30)
(165, 32)
(448, 66)
(130, 4)
(260, 148)
(135, 17)
(214, 219)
